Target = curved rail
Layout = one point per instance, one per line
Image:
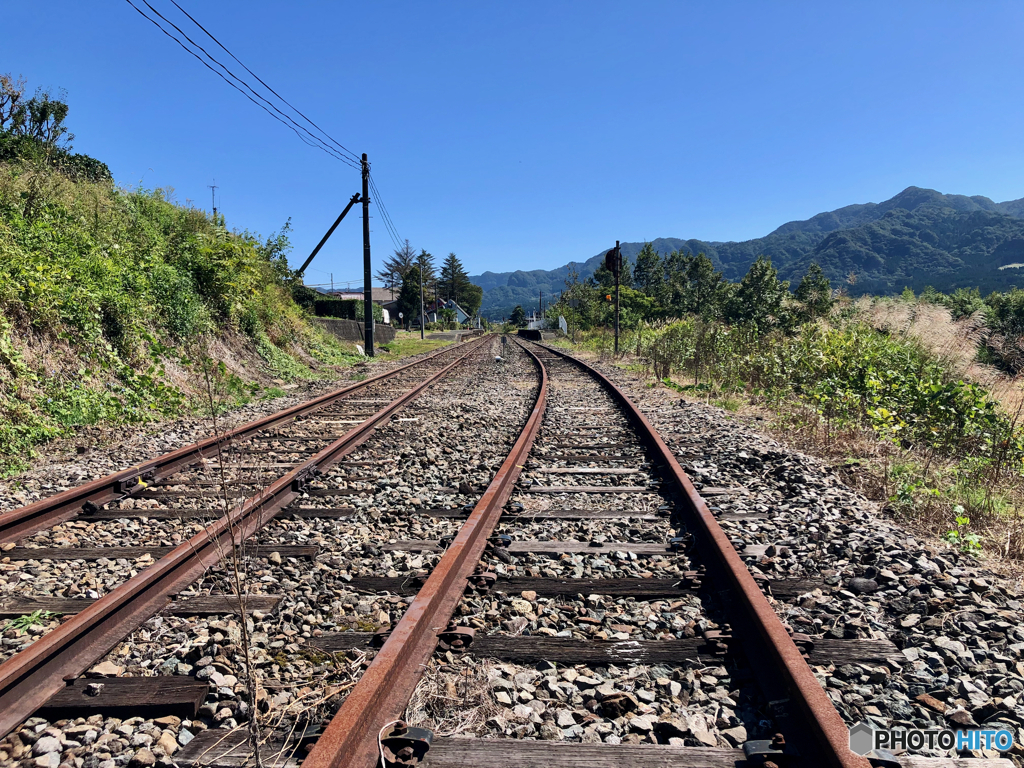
(384, 690)
(776, 658)
(29, 678)
(45, 513)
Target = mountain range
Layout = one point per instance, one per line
(918, 238)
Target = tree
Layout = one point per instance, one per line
(12, 111)
(649, 272)
(398, 265)
(518, 318)
(758, 300)
(409, 298)
(454, 284)
(815, 292)
(693, 286)
(425, 261)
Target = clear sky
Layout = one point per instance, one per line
(525, 135)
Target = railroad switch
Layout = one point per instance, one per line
(403, 745)
(455, 638)
(771, 753)
(136, 484)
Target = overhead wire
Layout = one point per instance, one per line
(319, 143)
(385, 215)
(336, 151)
(282, 98)
(392, 231)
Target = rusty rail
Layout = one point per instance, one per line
(384, 690)
(768, 645)
(45, 513)
(29, 678)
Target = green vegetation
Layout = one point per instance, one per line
(836, 380)
(22, 623)
(114, 303)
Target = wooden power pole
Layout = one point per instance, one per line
(367, 270)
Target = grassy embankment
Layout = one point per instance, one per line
(118, 306)
(889, 391)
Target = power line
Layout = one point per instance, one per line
(350, 158)
(250, 98)
(238, 79)
(392, 230)
(384, 215)
(282, 98)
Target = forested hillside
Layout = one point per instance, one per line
(918, 238)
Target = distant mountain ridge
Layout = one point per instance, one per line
(919, 237)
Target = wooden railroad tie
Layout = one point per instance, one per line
(530, 649)
(200, 605)
(134, 553)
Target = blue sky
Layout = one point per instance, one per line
(526, 135)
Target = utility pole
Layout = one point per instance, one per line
(367, 271)
(213, 198)
(422, 319)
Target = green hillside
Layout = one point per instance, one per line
(919, 237)
(119, 306)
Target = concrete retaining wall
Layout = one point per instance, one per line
(350, 330)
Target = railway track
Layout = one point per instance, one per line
(586, 594)
(217, 494)
(529, 558)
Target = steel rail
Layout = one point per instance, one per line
(768, 641)
(18, 523)
(384, 690)
(29, 678)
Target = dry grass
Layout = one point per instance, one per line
(456, 699)
(955, 343)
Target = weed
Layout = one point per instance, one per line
(22, 623)
(959, 535)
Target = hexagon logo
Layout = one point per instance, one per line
(862, 738)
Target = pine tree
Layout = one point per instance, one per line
(815, 292)
(396, 266)
(453, 281)
(758, 300)
(649, 272)
(518, 318)
(409, 298)
(425, 261)
(706, 287)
